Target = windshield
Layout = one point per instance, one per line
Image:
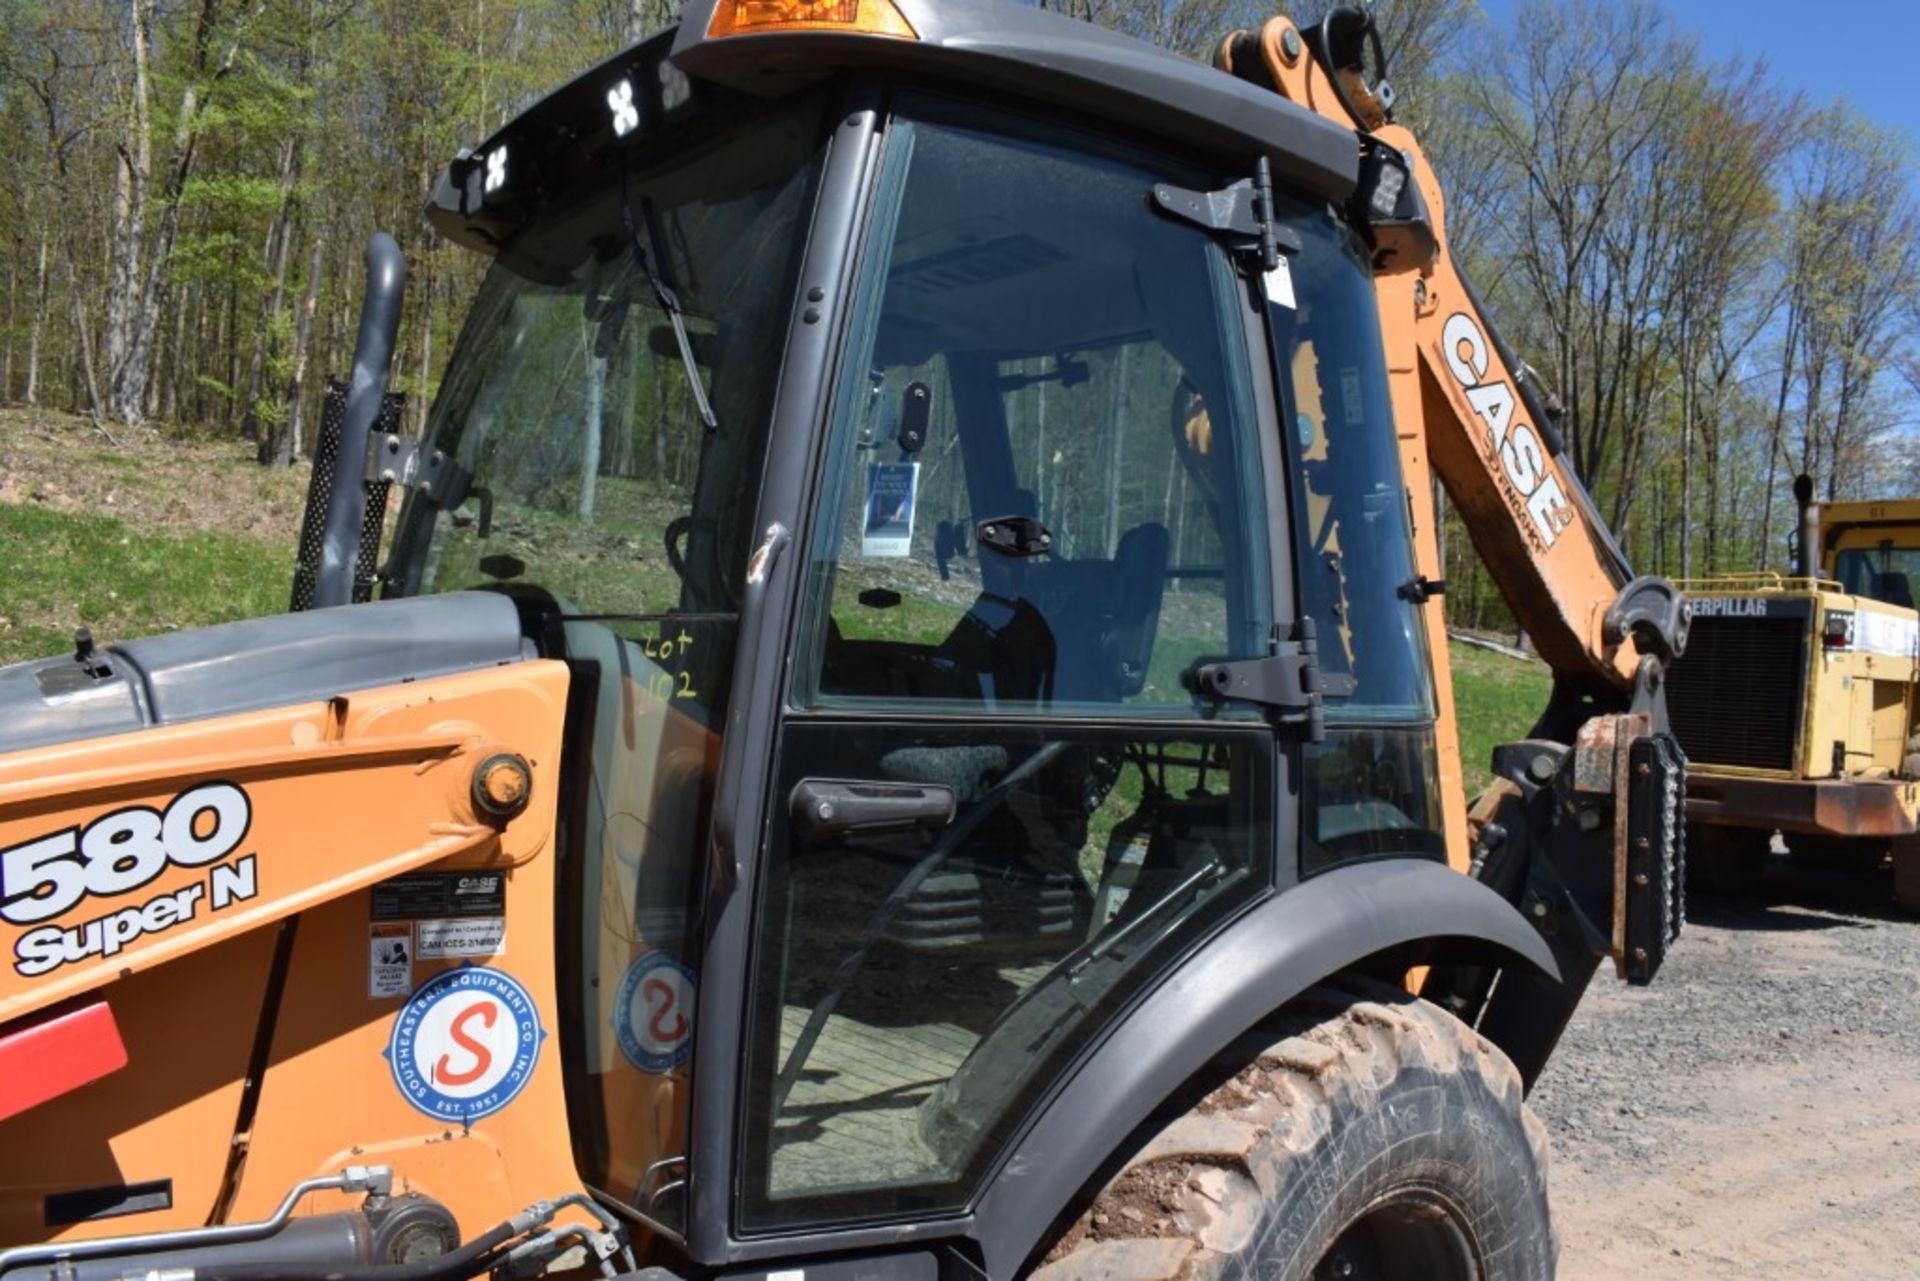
(1885, 573)
(587, 481)
(584, 468)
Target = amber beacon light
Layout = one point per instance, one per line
(865, 17)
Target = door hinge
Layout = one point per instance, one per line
(1242, 215)
(1419, 589)
(1288, 682)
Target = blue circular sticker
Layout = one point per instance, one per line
(464, 1044)
(653, 1015)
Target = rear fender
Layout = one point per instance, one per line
(1254, 967)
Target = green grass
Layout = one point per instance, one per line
(1496, 699)
(68, 569)
(125, 579)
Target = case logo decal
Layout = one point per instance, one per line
(465, 1043)
(653, 1015)
(1535, 495)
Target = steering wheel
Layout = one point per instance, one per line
(676, 534)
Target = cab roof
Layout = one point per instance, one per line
(1014, 53)
(1849, 515)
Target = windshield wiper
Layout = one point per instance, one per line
(663, 294)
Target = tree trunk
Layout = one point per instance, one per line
(13, 317)
(84, 340)
(1775, 443)
(32, 395)
(232, 343)
(166, 401)
(291, 431)
(138, 368)
(590, 433)
(279, 242)
(1686, 457)
(127, 310)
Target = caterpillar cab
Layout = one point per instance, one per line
(901, 725)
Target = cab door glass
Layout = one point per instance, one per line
(1004, 817)
(1371, 789)
(1045, 489)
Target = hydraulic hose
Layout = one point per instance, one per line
(356, 1179)
(477, 1256)
(469, 1260)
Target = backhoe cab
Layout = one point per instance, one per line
(905, 693)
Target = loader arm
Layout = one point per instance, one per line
(1580, 830)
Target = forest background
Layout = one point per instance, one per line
(1714, 276)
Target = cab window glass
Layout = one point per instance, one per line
(1886, 573)
(1046, 490)
(1371, 789)
(584, 483)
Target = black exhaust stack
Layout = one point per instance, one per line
(346, 511)
(1806, 560)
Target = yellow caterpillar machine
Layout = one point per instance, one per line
(903, 730)
(1796, 704)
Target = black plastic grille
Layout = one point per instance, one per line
(313, 523)
(1735, 696)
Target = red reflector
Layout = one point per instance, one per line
(43, 1060)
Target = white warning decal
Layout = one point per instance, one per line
(389, 959)
(115, 855)
(465, 936)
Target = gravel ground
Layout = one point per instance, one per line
(1756, 1112)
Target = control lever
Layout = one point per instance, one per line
(823, 807)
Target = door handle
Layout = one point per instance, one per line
(824, 807)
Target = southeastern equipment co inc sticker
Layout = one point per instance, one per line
(465, 1043)
(653, 1015)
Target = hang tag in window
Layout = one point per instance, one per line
(893, 490)
(1280, 285)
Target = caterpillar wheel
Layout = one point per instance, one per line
(1730, 861)
(1384, 1141)
(1906, 873)
(1838, 854)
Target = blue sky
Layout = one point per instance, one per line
(1861, 50)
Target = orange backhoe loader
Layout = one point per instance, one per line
(900, 728)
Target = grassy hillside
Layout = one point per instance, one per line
(1497, 700)
(138, 536)
(134, 536)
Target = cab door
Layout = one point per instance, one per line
(998, 813)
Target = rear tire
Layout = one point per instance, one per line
(1730, 861)
(1906, 873)
(1387, 1141)
(1838, 854)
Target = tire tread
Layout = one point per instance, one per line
(1197, 1180)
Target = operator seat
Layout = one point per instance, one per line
(1108, 615)
(1894, 589)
